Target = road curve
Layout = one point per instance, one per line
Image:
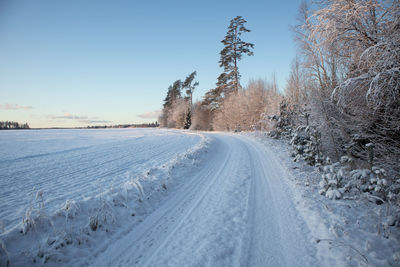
(235, 211)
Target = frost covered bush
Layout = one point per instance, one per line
(284, 122)
(305, 139)
(338, 179)
(103, 214)
(70, 209)
(372, 181)
(334, 182)
(34, 212)
(248, 108)
(305, 142)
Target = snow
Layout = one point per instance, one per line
(226, 214)
(347, 232)
(182, 198)
(60, 190)
(76, 164)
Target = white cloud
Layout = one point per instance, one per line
(150, 115)
(81, 119)
(14, 107)
(68, 116)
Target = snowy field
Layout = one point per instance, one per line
(76, 164)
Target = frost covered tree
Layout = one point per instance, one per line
(189, 85)
(339, 41)
(201, 118)
(178, 114)
(231, 54)
(295, 90)
(173, 94)
(350, 65)
(228, 81)
(177, 110)
(247, 109)
(213, 99)
(362, 38)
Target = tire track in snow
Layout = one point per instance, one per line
(235, 211)
(277, 235)
(162, 223)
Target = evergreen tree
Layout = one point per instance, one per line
(188, 121)
(174, 93)
(213, 99)
(13, 125)
(190, 86)
(231, 54)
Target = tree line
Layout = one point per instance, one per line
(136, 125)
(342, 99)
(347, 75)
(228, 106)
(344, 81)
(13, 125)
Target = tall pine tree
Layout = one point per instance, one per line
(234, 48)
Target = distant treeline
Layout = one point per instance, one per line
(141, 125)
(4, 125)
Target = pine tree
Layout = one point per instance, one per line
(188, 121)
(190, 86)
(232, 53)
(174, 93)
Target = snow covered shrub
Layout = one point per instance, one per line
(134, 185)
(333, 184)
(103, 214)
(284, 122)
(351, 67)
(376, 183)
(305, 142)
(70, 209)
(33, 213)
(93, 222)
(369, 98)
(339, 179)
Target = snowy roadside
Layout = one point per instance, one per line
(351, 231)
(82, 227)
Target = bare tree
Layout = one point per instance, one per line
(246, 109)
(350, 55)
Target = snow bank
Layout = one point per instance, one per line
(353, 231)
(83, 225)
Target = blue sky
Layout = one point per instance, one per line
(76, 63)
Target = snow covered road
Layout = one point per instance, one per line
(235, 209)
